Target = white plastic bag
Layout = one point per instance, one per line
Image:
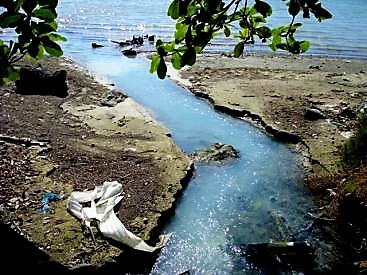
(109, 194)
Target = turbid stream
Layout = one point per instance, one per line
(256, 198)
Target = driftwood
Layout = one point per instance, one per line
(22, 141)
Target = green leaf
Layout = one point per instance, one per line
(43, 27)
(176, 61)
(29, 5)
(162, 69)
(306, 13)
(10, 21)
(282, 46)
(18, 4)
(13, 75)
(189, 57)
(324, 14)
(46, 14)
(51, 3)
(180, 33)
(154, 64)
(320, 13)
(238, 49)
(263, 32)
(51, 47)
(244, 33)
(4, 51)
(174, 9)
(57, 37)
(294, 7)
(33, 48)
(257, 19)
(227, 31)
(263, 8)
(276, 39)
(304, 46)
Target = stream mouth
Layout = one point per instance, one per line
(257, 198)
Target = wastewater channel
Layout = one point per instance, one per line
(258, 198)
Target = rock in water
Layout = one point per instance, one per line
(129, 53)
(40, 82)
(276, 254)
(217, 152)
(95, 45)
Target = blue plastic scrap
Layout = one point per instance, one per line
(46, 199)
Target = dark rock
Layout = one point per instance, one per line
(283, 136)
(275, 253)
(348, 112)
(40, 82)
(137, 40)
(122, 43)
(313, 114)
(95, 45)
(112, 98)
(217, 152)
(129, 52)
(151, 38)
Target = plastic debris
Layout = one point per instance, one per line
(46, 199)
(103, 199)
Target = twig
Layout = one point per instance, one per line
(319, 218)
(22, 141)
(93, 238)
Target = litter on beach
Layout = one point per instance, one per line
(102, 200)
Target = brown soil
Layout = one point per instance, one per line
(87, 144)
(278, 89)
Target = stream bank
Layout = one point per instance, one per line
(300, 100)
(91, 136)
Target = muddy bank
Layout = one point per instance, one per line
(91, 136)
(311, 102)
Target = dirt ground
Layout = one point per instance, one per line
(86, 142)
(278, 91)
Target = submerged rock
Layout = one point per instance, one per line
(217, 152)
(279, 253)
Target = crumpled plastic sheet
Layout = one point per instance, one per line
(109, 195)
(46, 199)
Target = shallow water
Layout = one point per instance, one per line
(100, 21)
